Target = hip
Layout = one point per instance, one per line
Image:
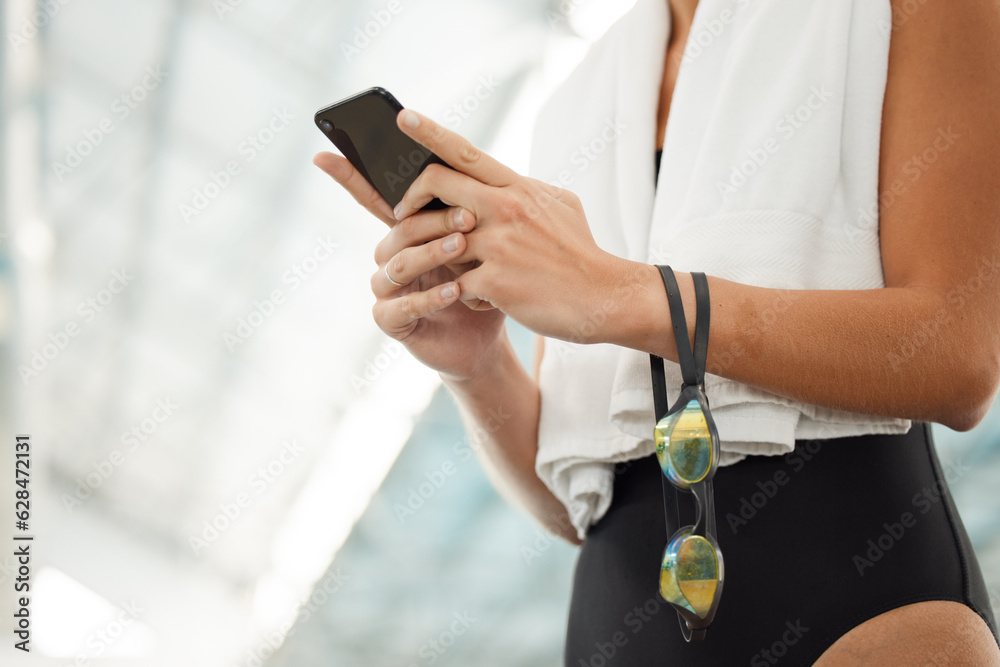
(814, 543)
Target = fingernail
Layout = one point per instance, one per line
(410, 119)
(459, 219)
(448, 291)
(395, 211)
(450, 243)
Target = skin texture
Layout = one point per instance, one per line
(525, 251)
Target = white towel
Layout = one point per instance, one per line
(769, 177)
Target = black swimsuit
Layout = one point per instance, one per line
(815, 543)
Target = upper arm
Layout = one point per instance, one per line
(939, 170)
(539, 351)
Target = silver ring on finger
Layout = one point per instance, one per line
(385, 270)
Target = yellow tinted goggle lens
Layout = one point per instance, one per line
(684, 445)
(689, 575)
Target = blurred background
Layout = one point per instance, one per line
(231, 464)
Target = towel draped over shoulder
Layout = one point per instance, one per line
(769, 177)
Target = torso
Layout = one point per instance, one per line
(932, 623)
(672, 65)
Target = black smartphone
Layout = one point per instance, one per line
(363, 127)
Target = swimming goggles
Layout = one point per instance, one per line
(687, 447)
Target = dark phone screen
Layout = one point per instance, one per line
(364, 130)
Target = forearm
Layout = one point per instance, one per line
(500, 410)
(900, 352)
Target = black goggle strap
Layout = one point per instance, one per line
(701, 326)
(701, 329)
(692, 365)
(660, 410)
(693, 373)
(704, 306)
(685, 358)
(688, 371)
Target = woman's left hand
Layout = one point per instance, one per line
(537, 259)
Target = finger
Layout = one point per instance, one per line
(472, 287)
(477, 250)
(451, 187)
(421, 227)
(342, 171)
(457, 151)
(410, 263)
(469, 259)
(397, 316)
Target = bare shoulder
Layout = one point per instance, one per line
(939, 204)
(940, 138)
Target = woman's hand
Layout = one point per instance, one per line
(449, 337)
(537, 259)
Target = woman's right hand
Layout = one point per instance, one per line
(452, 338)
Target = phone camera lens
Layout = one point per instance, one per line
(326, 125)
